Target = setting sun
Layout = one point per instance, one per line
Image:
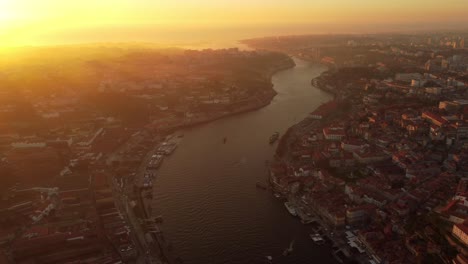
(6, 12)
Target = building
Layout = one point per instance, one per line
(359, 214)
(460, 259)
(462, 187)
(367, 156)
(453, 106)
(460, 231)
(334, 133)
(352, 144)
(21, 145)
(407, 77)
(435, 119)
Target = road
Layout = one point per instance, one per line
(147, 254)
(161, 248)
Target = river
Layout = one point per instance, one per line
(206, 193)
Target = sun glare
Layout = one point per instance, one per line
(29, 22)
(7, 14)
(5, 9)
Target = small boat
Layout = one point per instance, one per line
(339, 256)
(317, 238)
(308, 221)
(158, 219)
(224, 140)
(290, 208)
(274, 137)
(270, 258)
(261, 185)
(288, 250)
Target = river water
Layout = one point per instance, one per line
(206, 193)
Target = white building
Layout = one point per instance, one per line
(19, 145)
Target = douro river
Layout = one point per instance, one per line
(206, 193)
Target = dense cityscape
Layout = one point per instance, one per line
(379, 171)
(71, 185)
(382, 167)
(233, 132)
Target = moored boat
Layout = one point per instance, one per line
(317, 238)
(274, 137)
(290, 208)
(288, 250)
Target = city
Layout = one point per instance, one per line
(233, 132)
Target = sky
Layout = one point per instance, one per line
(42, 22)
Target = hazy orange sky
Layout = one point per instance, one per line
(38, 22)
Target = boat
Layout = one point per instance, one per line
(288, 250)
(339, 256)
(274, 137)
(317, 238)
(261, 185)
(290, 208)
(155, 161)
(158, 219)
(277, 195)
(147, 184)
(270, 258)
(166, 148)
(224, 140)
(308, 221)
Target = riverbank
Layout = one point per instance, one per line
(254, 104)
(317, 83)
(285, 157)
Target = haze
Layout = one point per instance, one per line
(32, 22)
